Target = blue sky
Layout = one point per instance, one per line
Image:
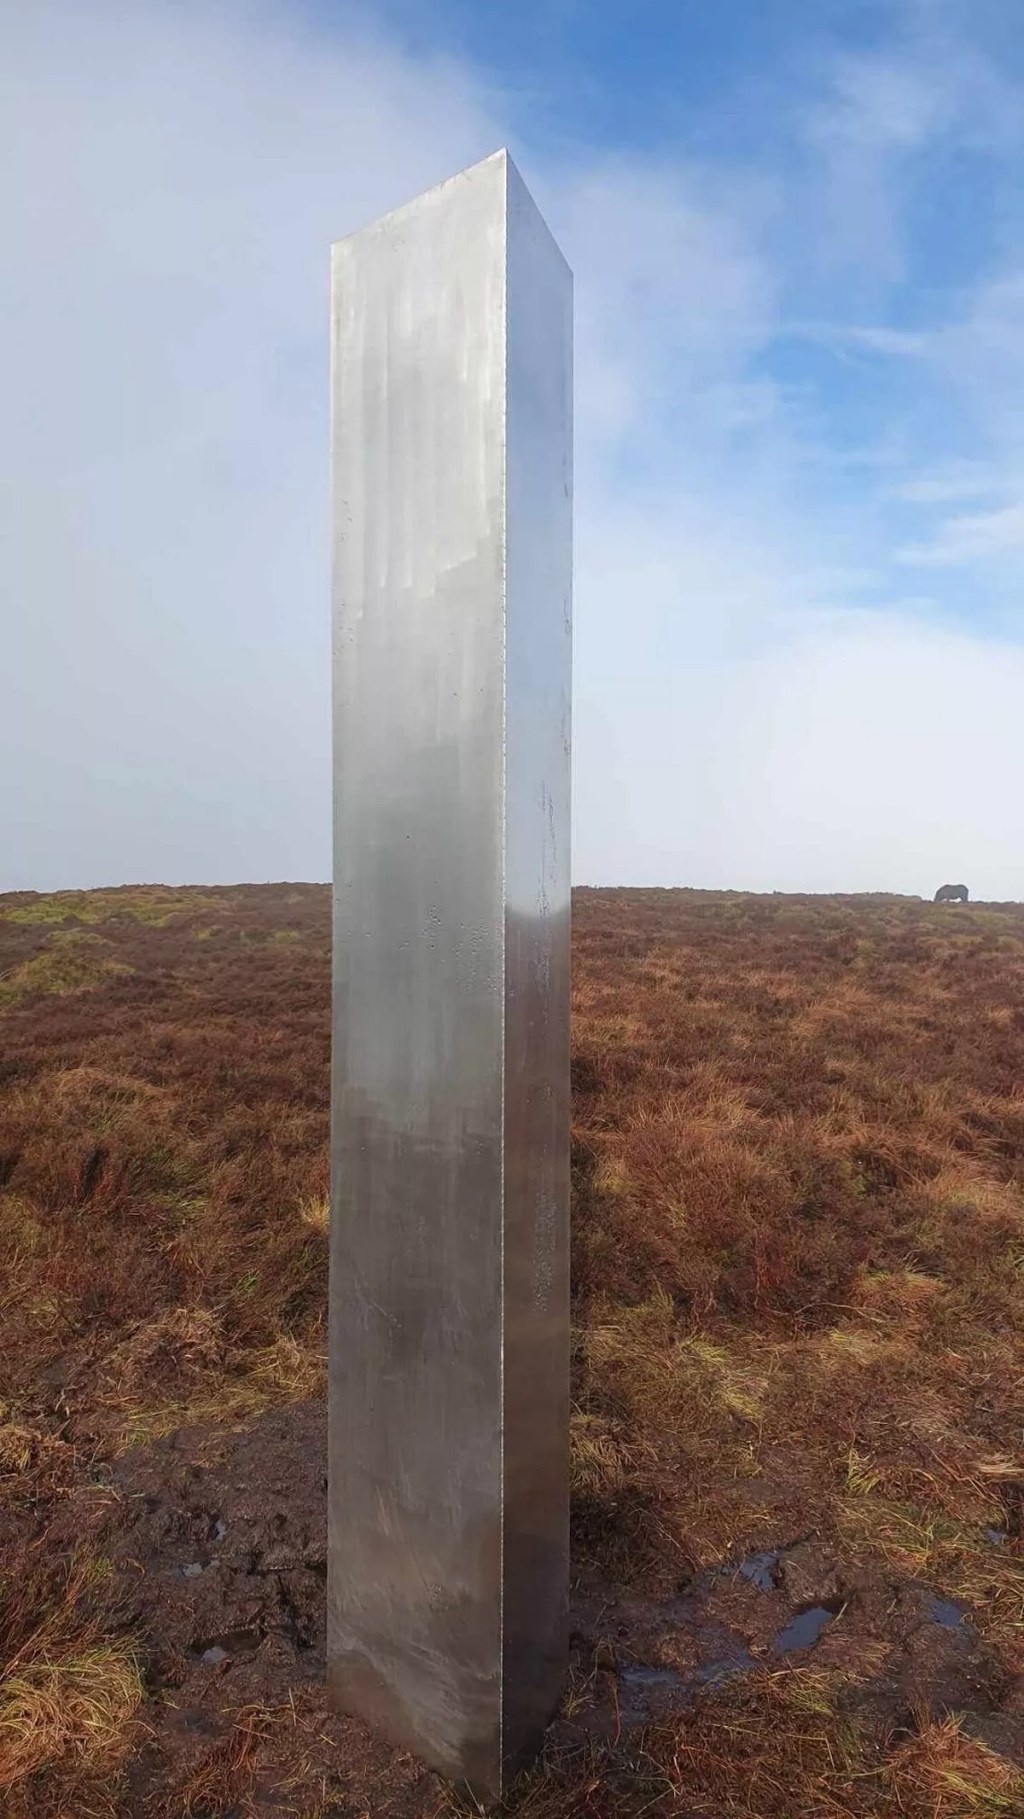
(798, 238)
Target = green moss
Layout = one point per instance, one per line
(155, 906)
(61, 906)
(70, 962)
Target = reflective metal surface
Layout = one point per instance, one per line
(452, 496)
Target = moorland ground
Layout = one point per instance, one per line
(798, 1402)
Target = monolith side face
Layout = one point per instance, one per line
(449, 1292)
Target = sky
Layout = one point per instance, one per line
(797, 233)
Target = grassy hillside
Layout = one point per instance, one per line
(798, 1252)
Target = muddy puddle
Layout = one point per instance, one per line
(790, 1607)
(233, 1644)
(944, 1611)
(806, 1627)
(760, 1570)
(220, 1541)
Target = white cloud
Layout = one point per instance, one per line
(903, 343)
(953, 481)
(981, 354)
(675, 291)
(173, 177)
(976, 351)
(173, 180)
(879, 118)
(865, 753)
(880, 104)
(970, 537)
(886, 752)
(879, 114)
(167, 558)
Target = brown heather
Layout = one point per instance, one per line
(798, 1252)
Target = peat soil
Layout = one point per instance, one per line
(217, 1540)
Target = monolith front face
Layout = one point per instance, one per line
(452, 505)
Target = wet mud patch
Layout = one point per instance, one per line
(218, 1543)
(228, 1534)
(899, 1653)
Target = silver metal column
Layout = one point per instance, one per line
(449, 1313)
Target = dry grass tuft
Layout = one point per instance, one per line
(180, 1344)
(79, 1706)
(69, 1688)
(943, 1771)
(315, 1211)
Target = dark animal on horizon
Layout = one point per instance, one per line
(952, 893)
